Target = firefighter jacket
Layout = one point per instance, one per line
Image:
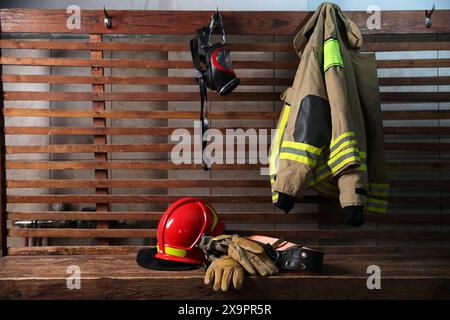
(330, 135)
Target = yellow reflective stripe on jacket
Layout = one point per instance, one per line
(344, 140)
(300, 152)
(334, 141)
(341, 159)
(379, 189)
(301, 146)
(344, 157)
(331, 54)
(274, 197)
(376, 205)
(297, 158)
(279, 135)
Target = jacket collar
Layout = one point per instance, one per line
(324, 12)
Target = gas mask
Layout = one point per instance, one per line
(213, 67)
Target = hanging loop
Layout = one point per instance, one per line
(428, 20)
(107, 19)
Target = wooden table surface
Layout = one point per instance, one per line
(119, 277)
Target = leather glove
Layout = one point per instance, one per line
(251, 256)
(223, 271)
(214, 247)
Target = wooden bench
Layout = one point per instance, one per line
(86, 119)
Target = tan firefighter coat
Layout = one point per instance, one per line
(330, 134)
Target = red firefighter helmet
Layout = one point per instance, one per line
(181, 227)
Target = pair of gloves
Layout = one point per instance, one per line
(230, 256)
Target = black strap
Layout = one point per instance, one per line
(195, 54)
(204, 121)
(200, 77)
(199, 46)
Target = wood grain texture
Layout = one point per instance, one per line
(216, 183)
(168, 147)
(163, 165)
(337, 251)
(185, 64)
(192, 96)
(287, 234)
(119, 277)
(417, 225)
(99, 139)
(186, 22)
(157, 199)
(337, 216)
(3, 226)
(253, 81)
(183, 46)
(244, 115)
(167, 131)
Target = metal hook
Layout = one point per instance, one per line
(428, 20)
(107, 19)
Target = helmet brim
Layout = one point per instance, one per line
(146, 259)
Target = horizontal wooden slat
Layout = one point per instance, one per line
(230, 216)
(386, 251)
(193, 96)
(405, 46)
(300, 234)
(62, 130)
(147, 96)
(82, 233)
(405, 235)
(160, 165)
(122, 165)
(168, 147)
(165, 64)
(88, 148)
(421, 184)
(186, 64)
(229, 183)
(413, 63)
(151, 199)
(414, 81)
(415, 96)
(136, 183)
(416, 130)
(133, 46)
(425, 200)
(254, 81)
(242, 115)
(416, 115)
(186, 22)
(418, 167)
(184, 46)
(25, 112)
(167, 131)
(17, 78)
(417, 146)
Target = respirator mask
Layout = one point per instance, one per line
(213, 67)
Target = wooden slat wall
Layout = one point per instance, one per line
(416, 136)
(3, 214)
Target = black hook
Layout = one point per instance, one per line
(428, 21)
(107, 19)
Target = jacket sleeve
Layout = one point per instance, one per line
(367, 80)
(346, 153)
(303, 131)
(343, 152)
